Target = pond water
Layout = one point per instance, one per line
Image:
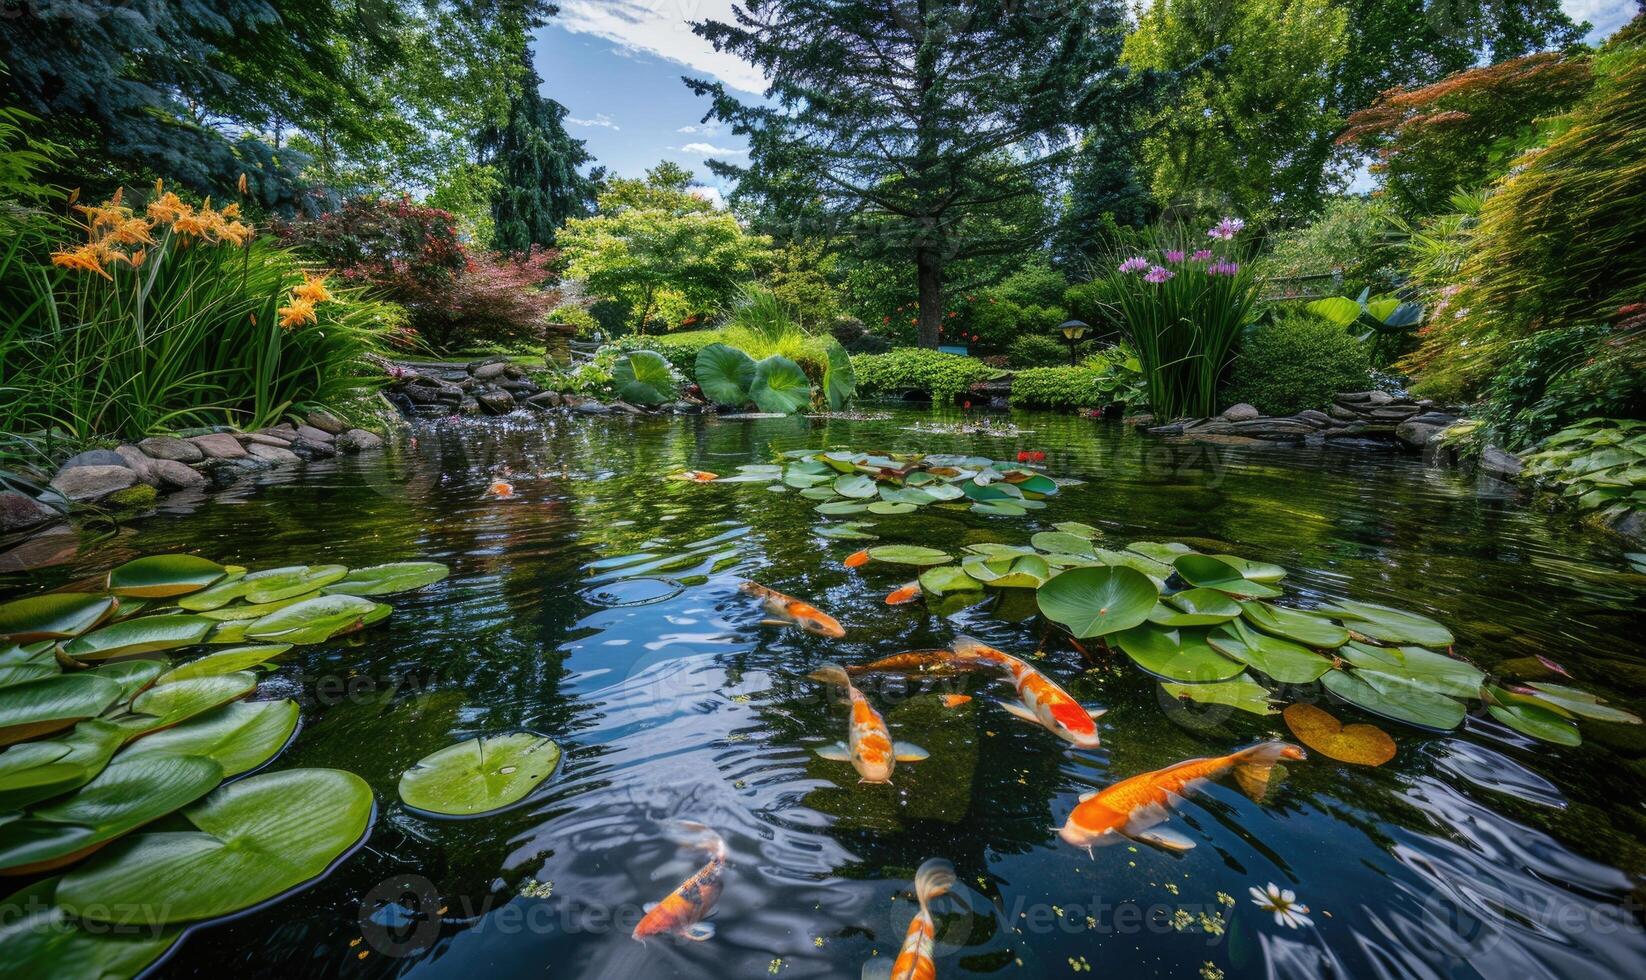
(1475, 853)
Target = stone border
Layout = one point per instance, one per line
(133, 476)
(1377, 415)
(494, 386)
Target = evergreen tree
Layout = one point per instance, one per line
(537, 163)
(917, 125)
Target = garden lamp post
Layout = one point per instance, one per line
(1073, 330)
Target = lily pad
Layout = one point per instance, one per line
(53, 616)
(164, 576)
(839, 379)
(1257, 571)
(1079, 530)
(26, 663)
(38, 940)
(247, 611)
(34, 771)
(288, 583)
(1175, 655)
(1163, 552)
(998, 508)
(725, 374)
(132, 675)
(780, 386)
(947, 578)
(479, 776)
(1357, 744)
(1581, 703)
(1156, 572)
(1390, 625)
(316, 620)
(1527, 717)
(1062, 542)
(47, 704)
(1026, 572)
(229, 661)
(836, 507)
(169, 704)
(1214, 573)
(1283, 660)
(909, 554)
(1434, 711)
(123, 797)
(888, 508)
(145, 634)
(1240, 692)
(1205, 602)
(255, 839)
(239, 736)
(1307, 628)
(1429, 671)
(849, 531)
(1097, 601)
(855, 485)
(224, 591)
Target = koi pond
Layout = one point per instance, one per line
(595, 601)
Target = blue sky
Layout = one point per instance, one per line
(616, 64)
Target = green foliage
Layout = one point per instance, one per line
(942, 376)
(1298, 361)
(643, 377)
(576, 315)
(1106, 378)
(724, 374)
(1557, 377)
(1597, 464)
(1354, 237)
(779, 386)
(466, 192)
(1036, 350)
(539, 184)
(1253, 134)
(679, 349)
(802, 279)
(760, 312)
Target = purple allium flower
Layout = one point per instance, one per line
(1157, 274)
(1202, 255)
(1226, 229)
(1174, 256)
(1136, 263)
(1223, 269)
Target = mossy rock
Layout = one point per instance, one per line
(139, 496)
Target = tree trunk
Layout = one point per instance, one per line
(930, 270)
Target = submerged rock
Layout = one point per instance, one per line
(496, 401)
(175, 475)
(18, 511)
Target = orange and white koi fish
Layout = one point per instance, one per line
(1132, 808)
(501, 489)
(914, 662)
(902, 594)
(868, 746)
(789, 611)
(857, 559)
(915, 961)
(696, 476)
(1043, 702)
(683, 911)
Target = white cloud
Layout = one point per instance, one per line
(707, 129)
(1605, 15)
(663, 28)
(600, 119)
(710, 150)
(712, 195)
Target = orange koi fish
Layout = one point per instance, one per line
(696, 476)
(1131, 808)
(501, 489)
(789, 611)
(683, 911)
(914, 662)
(868, 746)
(955, 700)
(1043, 702)
(857, 559)
(907, 593)
(914, 961)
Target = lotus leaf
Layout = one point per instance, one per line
(164, 576)
(780, 386)
(1157, 573)
(643, 377)
(999, 508)
(839, 379)
(240, 610)
(53, 616)
(479, 776)
(226, 590)
(1164, 553)
(1097, 601)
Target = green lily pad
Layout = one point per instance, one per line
(806, 481)
(38, 940)
(1062, 542)
(133, 676)
(1176, 655)
(887, 508)
(947, 578)
(1079, 530)
(169, 704)
(1097, 601)
(479, 776)
(288, 583)
(1163, 552)
(1390, 625)
(943, 492)
(1430, 671)
(998, 508)
(855, 485)
(909, 554)
(227, 589)
(47, 704)
(316, 620)
(1307, 628)
(1025, 572)
(229, 661)
(1283, 660)
(1581, 703)
(1156, 572)
(1425, 710)
(164, 576)
(836, 507)
(991, 549)
(905, 495)
(1257, 571)
(1241, 692)
(820, 493)
(239, 736)
(256, 838)
(1526, 716)
(247, 611)
(1205, 602)
(35, 771)
(145, 634)
(123, 797)
(53, 616)
(849, 531)
(1037, 483)
(26, 663)
(1207, 572)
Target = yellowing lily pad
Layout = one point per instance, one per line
(1357, 744)
(164, 576)
(53, 616)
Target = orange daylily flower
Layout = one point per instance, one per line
(131, 231)
(313, 289)
(168, 207)
(300, 311)
(86, 258)
(241, 184)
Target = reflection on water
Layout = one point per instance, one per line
(601, 608)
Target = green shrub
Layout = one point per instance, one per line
(1597, 464)
(1299, 361)
(1036, 350)
(1059, 387)
(1555, 378)
(577, 316)
(1353, 237)
(942, 376)
(679, 349)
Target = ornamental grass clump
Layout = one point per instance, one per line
(1183, 301)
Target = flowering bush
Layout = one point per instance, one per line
(1183, 302)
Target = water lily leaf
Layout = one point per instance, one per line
(643, 377)
(316, 620)
(839, 379)
(855, 485)
(887, 507)
(25, 663)
(38, 940)
(843, 507)
(1026, 572)
(53, 616)
(1037, 483)
(1425, 710)
(725, 374)
(1257, 571)
(170, 704)
(1528, 717)
(479, 776)
(991, 492)
(1214, 573)
(239, 736)
(1062, 542)
(164, 576)
(35, 771)
(142, 635)
(948, 578)
(1357, 744)
(1157, 573)
(1240, 692)
(1582, 703)
(841, 462)
(1283, 660)
(1173, 618)
(1079, 530)
(999, 508)
(1165, 553)
(1176, 655)
(256, 838)
(943, 492)
(909, 554)
(905, 495)
(1389, 625)
(132, 675)
(1097, 601)
(1205, 602)
(820, 493)
(991, 549)
(391, 579)
(227, 589)
(780, 386)
(47, 704)
(1430, 671)
(240, 610)
(123, 797)
(1309, 629)
(806, 481)
(291, 582)
(849, 531)
(229, 661)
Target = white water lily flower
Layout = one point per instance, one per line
(1283, 903)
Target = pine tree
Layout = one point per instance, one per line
(537, 164)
